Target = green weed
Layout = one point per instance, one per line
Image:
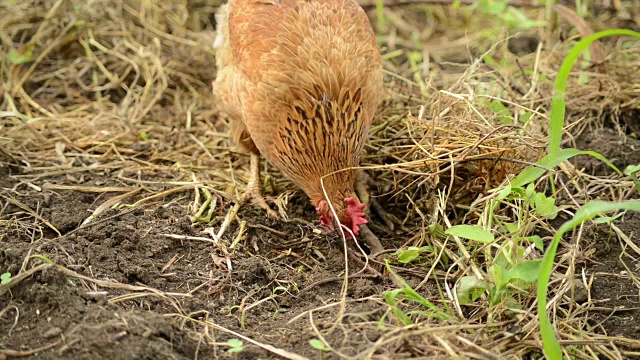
(319, 345)
(236, 346)
(5, 278)
(393, 298)
(555, 156)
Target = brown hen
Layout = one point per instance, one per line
(301, 81)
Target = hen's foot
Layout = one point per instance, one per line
(371, 240)
(354, 258)
(362, 191)
(253, 194)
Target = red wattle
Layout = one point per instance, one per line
(328, 223)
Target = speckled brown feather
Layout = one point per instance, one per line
(301, 82)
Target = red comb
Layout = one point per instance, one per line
(355, 213)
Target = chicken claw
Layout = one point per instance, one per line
(362, 180)
(254, 188)
(371, 240)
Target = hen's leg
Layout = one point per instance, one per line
(254, 187)
(361, 188)
(243, 139)
(371, 240)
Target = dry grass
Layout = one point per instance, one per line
(123, 90)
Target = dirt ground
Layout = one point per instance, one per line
(607, 263)
(131, 247)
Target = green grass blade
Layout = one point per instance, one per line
(556, 124)
(408, 293)
(382, 23)
(587, 212)
(532, 173)
(558, 106)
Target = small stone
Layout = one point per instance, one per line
(149, 254)
(47, 199)
(372, 335)
(523, 44)
(580, 294)
(53, 332)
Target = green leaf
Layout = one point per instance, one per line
(524, 118)
(608, 219)
(519, 19)
(382, 21)
(470, 289)
(496, 7)
(502, 112)
(551, 345)
(318, 345)
(389, 298)
(22, 55)
(511, 227)
(537, 240)
(529, 191)
(406, 256)
(545, 206)
(485, 89)
(5, 278)
(234, 344)
(631, 170)
(497, 274)
(43, 258)
(517, 193)
(408, 293)
(526, 271)
(558, 105)
(471, 232)
(504, 193)
(511, 303)
(436, 230)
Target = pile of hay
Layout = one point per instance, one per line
(124, 87)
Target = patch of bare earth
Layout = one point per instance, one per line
(611, 267)
(187, 283)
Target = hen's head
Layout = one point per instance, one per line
(350, 213)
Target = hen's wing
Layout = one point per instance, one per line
(230, 83)
(227, 78)
(296, 54)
